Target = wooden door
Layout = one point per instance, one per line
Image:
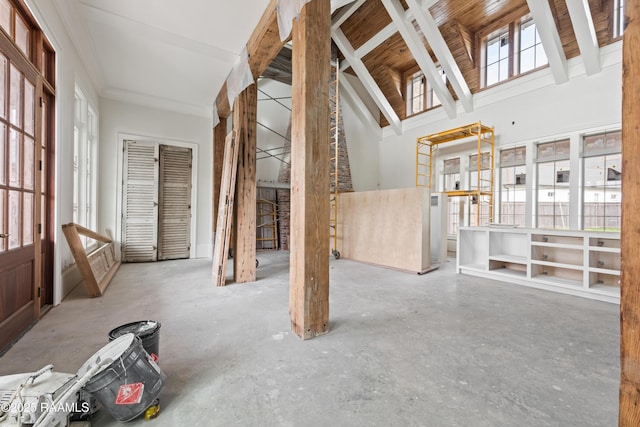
(140, 202)
(19, 282)
(174, 216)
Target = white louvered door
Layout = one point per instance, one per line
(174, 218)
(140, 202)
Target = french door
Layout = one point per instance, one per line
(25, 171)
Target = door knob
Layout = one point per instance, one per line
(4, 235)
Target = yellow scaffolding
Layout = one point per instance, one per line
(267, 229)
(335, 151)
(482, 194)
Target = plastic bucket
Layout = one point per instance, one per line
(147, 330)
(129, 380)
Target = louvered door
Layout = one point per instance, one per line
(140, 202)
(174, 219)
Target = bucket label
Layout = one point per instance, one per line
(130, 394)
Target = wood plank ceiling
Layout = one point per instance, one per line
(366, 33)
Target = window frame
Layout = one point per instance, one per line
(605, 152)
(515, 166)
(555, 158)
(512, 25)
(429, 99)
(85, 165)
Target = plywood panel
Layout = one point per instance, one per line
(389, 228)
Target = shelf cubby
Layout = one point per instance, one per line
(574, 262)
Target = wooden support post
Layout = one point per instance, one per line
(245, 124)
(219, 137)
(629, 411)
(309, 286)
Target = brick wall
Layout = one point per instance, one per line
(344, 170)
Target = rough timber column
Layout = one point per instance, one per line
(244, 252)
(630, 235)
(309, 247)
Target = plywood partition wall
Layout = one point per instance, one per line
(386, 227)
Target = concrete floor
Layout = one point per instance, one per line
(404, 350)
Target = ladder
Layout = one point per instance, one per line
(267, 229)
(334, 153)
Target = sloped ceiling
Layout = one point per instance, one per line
(161, 53)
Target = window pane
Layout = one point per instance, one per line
(3, 153)
(15, 100)
(15, 141)
(29, 105)
(504, 70)
(504, 46)
(5, 15)
(493, 47)
(527, 60)
(527, 35)
(43, 216)
(22, 35)
(14, 219)
(3, 91)
(493, 75)
(27, 220)
(541, 56)
(29, 163)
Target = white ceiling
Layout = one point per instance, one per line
(161, 53)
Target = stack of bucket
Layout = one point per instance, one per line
(129, 380)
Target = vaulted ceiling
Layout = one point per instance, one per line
(382, 41)
(177, 55)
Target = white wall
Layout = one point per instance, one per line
(528, 109)
(69, 71)
(119, 119)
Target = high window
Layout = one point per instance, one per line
(512, 50)
(553, 184)
(84, 163)
(602, 185)
(532, 53)
(451, 182)
(479, 212)
(420, 94)
(618, 17)
(513, 186)
(497, 57)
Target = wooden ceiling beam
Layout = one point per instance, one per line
(421, 55)
(585, 32)
(367, 80)
(545, 24)
(443, 53)
(376, 40)
(263, 46)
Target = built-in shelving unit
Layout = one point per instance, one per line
(579, 263)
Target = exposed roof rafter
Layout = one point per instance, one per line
(585, 32)
(367, 80)
(421, 55)
(443, 53)
(548, 32)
